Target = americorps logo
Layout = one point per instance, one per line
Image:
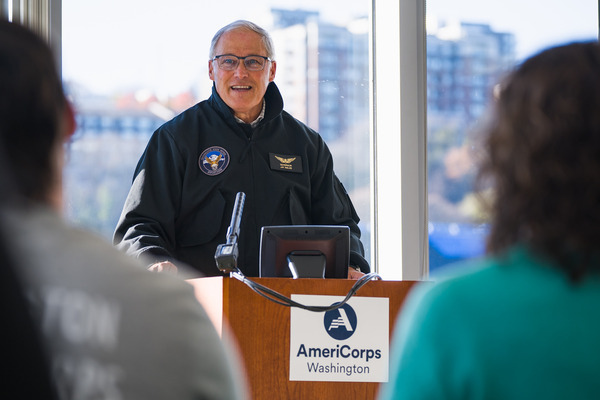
(333, 346)
(340, 323)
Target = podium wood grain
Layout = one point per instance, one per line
(261, 329)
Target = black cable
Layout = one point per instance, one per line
(280, 299)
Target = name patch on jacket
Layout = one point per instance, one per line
(287, 163)
(213, 160)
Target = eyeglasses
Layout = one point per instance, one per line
(229, 62)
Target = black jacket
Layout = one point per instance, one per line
(180, 204)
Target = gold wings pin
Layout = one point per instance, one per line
(285, 160)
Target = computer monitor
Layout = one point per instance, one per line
(304, 251)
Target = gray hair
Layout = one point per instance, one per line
(243, 24)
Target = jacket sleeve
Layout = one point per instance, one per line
(147, 223)
(331, 204)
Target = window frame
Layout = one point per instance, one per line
(399, 160)
(42, 16)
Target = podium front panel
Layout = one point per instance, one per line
(261, 329)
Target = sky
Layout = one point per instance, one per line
(119, 43)
(536, 23)
(111, 45)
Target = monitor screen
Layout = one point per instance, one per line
(304, 251)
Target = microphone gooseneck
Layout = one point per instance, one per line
(226, 254)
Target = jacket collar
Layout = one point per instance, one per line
(273, 100)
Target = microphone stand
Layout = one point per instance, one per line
(226, 255)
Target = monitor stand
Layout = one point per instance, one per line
(307, 264)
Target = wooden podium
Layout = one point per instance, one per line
(262, 330)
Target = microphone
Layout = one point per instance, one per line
(226, 254)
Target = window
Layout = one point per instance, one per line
(481, 41)
(134, 45)
(130, 66)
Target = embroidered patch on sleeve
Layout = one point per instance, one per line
(286, 163)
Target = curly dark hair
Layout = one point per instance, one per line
(543, 158)
(32, 104)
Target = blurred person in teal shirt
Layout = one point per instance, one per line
(523, 322)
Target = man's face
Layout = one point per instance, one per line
(240, 89)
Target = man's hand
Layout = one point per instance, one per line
(163, 266)
(354, 274)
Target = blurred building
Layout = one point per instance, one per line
(323, 71)
(464, 62)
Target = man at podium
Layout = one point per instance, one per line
(238, 140)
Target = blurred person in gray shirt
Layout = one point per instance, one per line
(110, 328)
